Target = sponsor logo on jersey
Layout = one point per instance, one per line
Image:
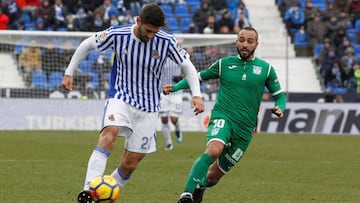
(232, 66)
(243, 77)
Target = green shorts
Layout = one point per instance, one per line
(235, 138)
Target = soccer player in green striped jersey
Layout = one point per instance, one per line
(233, 117)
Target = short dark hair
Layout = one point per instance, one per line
(152, 14)
(252, 29)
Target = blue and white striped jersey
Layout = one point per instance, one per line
(137, 70)
(171, 74)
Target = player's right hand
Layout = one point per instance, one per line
(67, 82)
(167, 89)
(197, 103)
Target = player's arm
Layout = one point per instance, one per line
(194, 84)
(211, 73)
(274, 87)
(80, 53)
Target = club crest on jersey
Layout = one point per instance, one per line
(155, 54)
(257, 70)
(111, 117)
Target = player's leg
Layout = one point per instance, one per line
(165, 125)
(129, 162)
(165, 128)
(98, 159)
(175, 112)
(138, 143)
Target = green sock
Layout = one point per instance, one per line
(198, 172)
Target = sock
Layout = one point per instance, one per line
(96, 165)
(166, 133)
(120, 177)
(198, 172)
(177, 125)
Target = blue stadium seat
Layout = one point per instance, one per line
(357, 25)
(39, 80)
(86, 66)
(173, 24)
(55, 79)
(184, 24)
(168, 10)
(182, 10)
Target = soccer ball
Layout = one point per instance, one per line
(104, 189)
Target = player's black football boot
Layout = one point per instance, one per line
(84, 197)
(186, 198)
(198, 194)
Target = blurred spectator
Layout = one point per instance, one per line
(354, 10)
(30, 61)
(210, 26)
(28, 5)
(200, 16)
(336, 75)
(316, 31)
(103, 10)
(218, 7)
(344, 21)
(72, 5)
(97, 23)
(332, 27)
(134, 6)
(330, 10)
(294, 18)
(66, 54)
(226, 21)
(341, 5)
(114, 17)
(121, 7)
(60, 12)
(81, 20)
(241, 22)
(91, 5)
(44, 12)
(310, 11)
(127, 19)
(347, 61)
(40, 24)
(285, 5)
(357, 78)
(324, 51)
(341, 42)
(232, 6)
(326, 66)
(4, 21)
(51, 59)
(242, 9)
(12, 10)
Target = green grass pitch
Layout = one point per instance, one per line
(49, 167)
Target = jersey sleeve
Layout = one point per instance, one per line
(176, 52)
(212, 72)
(104, 39)
(274, 87)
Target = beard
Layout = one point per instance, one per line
(142, 37)
(245, 53)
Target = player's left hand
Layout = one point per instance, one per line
(167, 89)
(197, 104)
(277, 111)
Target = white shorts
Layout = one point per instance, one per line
(171, 105)
(138, 127)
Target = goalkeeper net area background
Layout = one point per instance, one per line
(34, 63)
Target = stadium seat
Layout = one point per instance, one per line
(168, 10)
(357, 25)
(182, 10)
(55, 79)
(300, 39)
(184, 24)
(173, 24)
(39, 80)
(86, 66)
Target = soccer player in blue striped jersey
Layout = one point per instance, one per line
(234, 115)
(131, 109)
(171, 104)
